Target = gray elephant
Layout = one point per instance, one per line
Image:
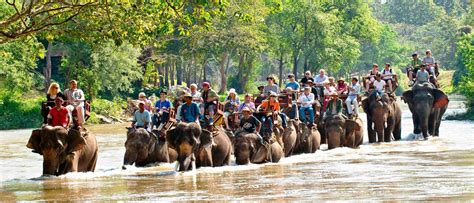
(354, 133)
(427, 105)
(248, 149)
(343, 132)
(143, 148)
(64, 150)
(384, 117)
(309, 139)
(194, 144)
(289, 137)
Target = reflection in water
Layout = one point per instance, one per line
(437, 169)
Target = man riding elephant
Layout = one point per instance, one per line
(271, 106)
(59, 115)
(141, 117)
(210, 99)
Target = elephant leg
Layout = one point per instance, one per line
(93, 162)
(388, 130)
(370, 130)
(416, 124)
(432, 122)
(397, 131)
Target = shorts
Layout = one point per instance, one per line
(389, 79)
(209, 105)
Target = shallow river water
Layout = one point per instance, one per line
(438, 169)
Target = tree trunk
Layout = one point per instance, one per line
(179, 72)
(172, 72)
(47, 68)
(167, 79)
(280, 69)
(160, 73)
(204, 73)
(295, 63)
(222, 72)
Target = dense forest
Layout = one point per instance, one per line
(116, 49)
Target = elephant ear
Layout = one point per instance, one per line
(352, 125)
(407, 97)
(75, 141)
(440, 99)
(171, 137)
(206, 137)
(365, 105)
(34, 141)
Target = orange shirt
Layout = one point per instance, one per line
(275, 106)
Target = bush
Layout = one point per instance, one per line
(106, 108)
(17, 111)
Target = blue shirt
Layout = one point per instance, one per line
(293, 85)
(162, 104)
(189, 113)
(140, 118)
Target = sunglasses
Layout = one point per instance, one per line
(55, 87)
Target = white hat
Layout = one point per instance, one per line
(142, 94)
(307, 88)
(193, 85)
(232, 91)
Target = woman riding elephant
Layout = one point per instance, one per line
(143, 147)
(64, 151)
(384, 113)
(427, 105)
(194, 144)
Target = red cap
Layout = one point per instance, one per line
(204, 84)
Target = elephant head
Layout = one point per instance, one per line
(353, 133)
(140, 143)
(422, 100)
(334, 127)
(248, 149)
(378, 109)
(186, 139)
(56, 144)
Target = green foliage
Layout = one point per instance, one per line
(18, 63)
(107, 108)
(465, 56)
(17, 111)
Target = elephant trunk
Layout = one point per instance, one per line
(129, 158)
(334, 136)
(185, 162)
(423, 109)
(50, 162)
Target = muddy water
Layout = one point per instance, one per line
(437, 169)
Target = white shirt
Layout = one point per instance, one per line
(72, 95)
(356, 90)
(306, 100)
(379, 86)
(331, 90)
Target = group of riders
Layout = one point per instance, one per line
(69, 109)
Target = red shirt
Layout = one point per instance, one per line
(59, 117)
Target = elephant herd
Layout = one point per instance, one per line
(191, 146)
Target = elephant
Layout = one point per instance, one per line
(427, 105)
(309, 139)
(248, 149)
(143, 148)
(289, 137)
(384, 117)
(194, 144)
(64, 150)
(354, 133)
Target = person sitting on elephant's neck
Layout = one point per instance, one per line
(250, 124)
(307, 100)
(210, 97)
(141, 117)
(162, 108)
(354, 90)
(53, 92)
(272, 106)
(334, 106)
(416, 65)
(387, 75)
(379, 85)
(189, 110)
(58, 115)
(271, 86)
(422, 75)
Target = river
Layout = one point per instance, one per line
(438, 169)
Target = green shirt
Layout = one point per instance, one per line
(210, 93)
(416, 63)
(329, 108)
